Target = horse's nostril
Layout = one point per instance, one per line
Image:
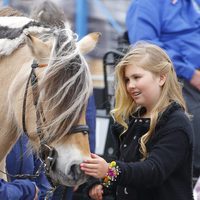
(75, 171)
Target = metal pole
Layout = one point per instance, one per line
(81, 23)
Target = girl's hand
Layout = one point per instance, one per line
(96, 167)
(96, 192)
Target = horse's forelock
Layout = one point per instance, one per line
(65, 87)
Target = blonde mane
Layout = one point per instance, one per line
(9, 11)
(65, 87)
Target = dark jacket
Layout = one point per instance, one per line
(167, 171)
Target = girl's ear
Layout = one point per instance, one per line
(162, 80)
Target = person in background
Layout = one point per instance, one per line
(152, 131)
(21, 160)
(18, 189)
(173, 25)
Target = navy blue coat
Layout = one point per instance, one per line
(21, 161)
(17, 190)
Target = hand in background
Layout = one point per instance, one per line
(75, 188)
(96, 192)
(96, 166)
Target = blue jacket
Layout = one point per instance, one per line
(21, 161)
(174, 27)
(17, 190)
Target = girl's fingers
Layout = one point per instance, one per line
(91, 161)
(94, 155)
(94, 193)
(91, 174)
(99, 192)
(89, 170)
(89, 166)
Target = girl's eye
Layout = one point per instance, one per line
(126, 80)
(137, 77)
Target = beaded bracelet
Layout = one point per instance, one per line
(113, 172)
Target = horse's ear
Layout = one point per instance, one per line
(39, 49)
(88, 43)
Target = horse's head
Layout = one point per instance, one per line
(60, 95)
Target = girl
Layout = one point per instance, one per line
(152, 132)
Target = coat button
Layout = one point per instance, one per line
(125, 191)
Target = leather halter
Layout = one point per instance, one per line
(47, 153)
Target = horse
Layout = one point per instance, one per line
(45, 85)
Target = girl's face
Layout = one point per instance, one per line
(143, 86)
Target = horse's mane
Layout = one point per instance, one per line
(49, 13)
(9, 11)
(13, 29)
(65, 87)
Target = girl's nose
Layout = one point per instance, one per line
(131, 84)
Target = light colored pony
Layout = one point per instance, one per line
(60, 94)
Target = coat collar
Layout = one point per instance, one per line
(164, 117)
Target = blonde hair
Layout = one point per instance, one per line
(151, 58)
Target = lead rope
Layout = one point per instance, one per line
(25, 176)
(49, 193)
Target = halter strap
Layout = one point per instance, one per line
(34, 82)
(79, 128)
(24, 104)
(36, 65)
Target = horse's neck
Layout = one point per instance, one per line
(12, 79)
(10, 67)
